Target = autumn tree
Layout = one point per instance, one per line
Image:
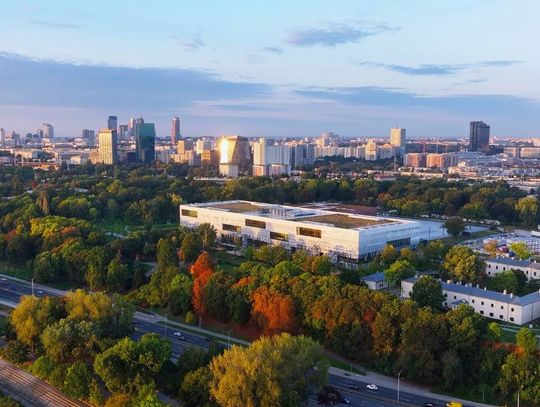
(273, 312)
(201, 271)
(454, 225)
(462, 264)
(521, 250)
(399, 270)
(273, 371)
(427, 292)
(527, 209)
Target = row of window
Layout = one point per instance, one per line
(190, 213)
(273, 235)
(482, 303)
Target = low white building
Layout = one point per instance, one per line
(497, 265)
(344, 237)
(375, 281)
(492, 304)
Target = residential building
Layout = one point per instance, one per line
(415, 160)
(107, 147)
(398, 139)
(478, 136)
(145, 140)
(235, 155)
(441, 161)
(375, 281)
(345, 238)
(2, 138)
(89, 136)
(491, 304)
(498, 265)
(175, 130)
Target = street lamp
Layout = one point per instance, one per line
(398, 376)
(229, 338)
(32, 287)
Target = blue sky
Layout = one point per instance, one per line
(280, 68)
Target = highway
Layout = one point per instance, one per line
(11, 290)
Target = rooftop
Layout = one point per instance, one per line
(508, 261)
(376, 277)
(343, 221)
(475, 291)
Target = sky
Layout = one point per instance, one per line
(272, 68)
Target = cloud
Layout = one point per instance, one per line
(64, 84)
(255, 59)
(391, 97)
(440, 69)
(192, 43)
(334, 34)
(52, 24)
(273, 50)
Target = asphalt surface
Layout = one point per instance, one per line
(11, 290)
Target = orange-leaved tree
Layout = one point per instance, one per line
(202, 270)
(273, 312)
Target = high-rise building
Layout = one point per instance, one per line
(89, 136)
(122, 132)
(478, 136)
(2, 138)
(48, 130)
(175, 130)
(398, 137)
(234, 155)
(107, 146)
(145, 141)
(112, 123)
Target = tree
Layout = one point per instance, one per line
(203, 263)
(207, 235)
(77, 381)
(388, 254)
(180, 294)
(68, 340)
(399, 270)
(43, 367)
(273, 312)
(166, 254)
(462, 264)
(194, 390)
(139, 276)
(15, 351)
(506, 280)
(117, 274)
(427, 292)
(520, 370)
(454, 225)
(273, 371)
(97, 259)
(147, 397)
(190, 247)
(128, 364)
(521, 250)
(490, 247)
(528, 211)
(215, 294)
(31, 316)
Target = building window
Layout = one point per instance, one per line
(501, 317)
(482, 302)
(489, 272)
(190, 213)
(399, 242)
(482, 312)
(512, 309)
(491, 314)
(491, 305)
(279, 236)
(256, 223)
(309, 232)
(496, 267)
(473, 301)
(231, 228)
(502, 306)
(454, 297)
(512, 319)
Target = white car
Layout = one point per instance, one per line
(179, 336)
(372, 387)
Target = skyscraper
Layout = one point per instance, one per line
(48, 130)
(107, 146)
(479, 136)
(2, 138)
(175, 130)
(112, 123)
(145, 140)
(89, 136)
(398, 137)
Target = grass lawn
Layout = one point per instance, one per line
(22, 272)
(343, 366)
(227, 262)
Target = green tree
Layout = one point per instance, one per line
(166, 254)
(279, 370)
(68, 340)
(194, 390)
(128, 364)
(139, 275)
(77, 381)
(521, 250)
(399, 270)
(97, 259)
(427, 292)
(462, 264)
(454, 225)
(117, 274)
(388, 254)
(43, 367)
(147, 397)
(15, 351)
(207, 235)
(191, 247)
(180, 291)
(528, 211)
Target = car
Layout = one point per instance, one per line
(179, 336)
(40, 292)
(429, 405)
(352, 386)
(372, 387)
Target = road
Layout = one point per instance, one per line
(32, 391)
(12, 289)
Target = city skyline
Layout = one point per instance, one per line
(309, 70)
